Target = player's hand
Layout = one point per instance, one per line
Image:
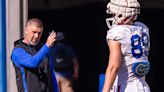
(51, 39)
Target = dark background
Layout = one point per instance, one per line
(85, 29)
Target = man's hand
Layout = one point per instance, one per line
(51, 39)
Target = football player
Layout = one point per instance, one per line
(129, 45)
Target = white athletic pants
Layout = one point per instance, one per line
(138, 85)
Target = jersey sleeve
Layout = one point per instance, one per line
(116, 34)
(23, 58)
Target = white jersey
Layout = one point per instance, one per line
(135, 44)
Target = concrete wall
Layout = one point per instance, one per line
(16, 15)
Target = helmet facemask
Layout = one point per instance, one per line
(110, 20)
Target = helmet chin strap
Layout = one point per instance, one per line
(127, 20)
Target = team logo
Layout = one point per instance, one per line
(140, 68)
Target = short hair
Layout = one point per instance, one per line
(35, 21)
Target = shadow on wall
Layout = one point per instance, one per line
(85, 30)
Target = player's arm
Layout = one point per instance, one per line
(113, 64)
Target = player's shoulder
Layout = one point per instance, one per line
(141, 24)
(116, 32)
(116, 29)
(120, 29)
